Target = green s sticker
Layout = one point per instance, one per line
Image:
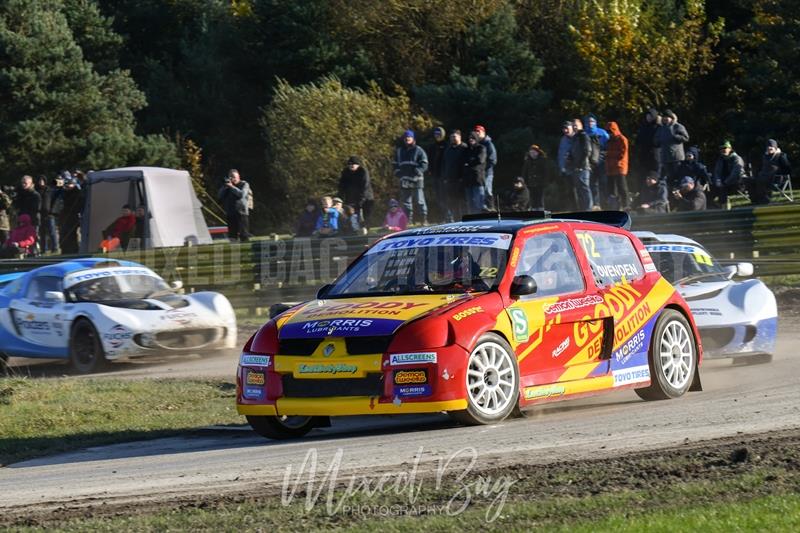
(519, 322)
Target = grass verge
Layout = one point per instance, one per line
(747, 485)
(44, 416)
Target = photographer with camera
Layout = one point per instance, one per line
(688, 197)
(236, 196)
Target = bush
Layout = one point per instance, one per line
(312, 129)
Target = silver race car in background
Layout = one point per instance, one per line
(92, 311)
(736, 319)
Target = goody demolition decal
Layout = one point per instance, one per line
(97, 273)
(500, 241)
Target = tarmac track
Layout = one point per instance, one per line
(736, 400)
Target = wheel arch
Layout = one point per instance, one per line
(696, 384)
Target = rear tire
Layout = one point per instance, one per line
(672, 358)
(282, 427)
(86, 353)
(491, 381)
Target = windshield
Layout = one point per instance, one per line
(113, 288)
(440, 264)
(681, 262)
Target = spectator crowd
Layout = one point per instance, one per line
(41, 215)
(595, 168)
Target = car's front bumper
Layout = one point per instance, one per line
(738, 340)
(357, 385)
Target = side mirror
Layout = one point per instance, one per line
(54, 296)
(523, 285)
(176, 285)
(323, 291)
(744, 270)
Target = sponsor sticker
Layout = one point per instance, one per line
(397, 359)
(97, 273)
(467, 312)
(519, 321)
(180, 317)
(631, 347)
(412, 391)
(572, 303)
(561, 347)
(255, 378)
(500, 241)
(635, 374)
(254, 360)
(545, 391)
(649, 267)
(31, 325)
(117, 336)
(327, 368)
(254, 393)
(410, 377)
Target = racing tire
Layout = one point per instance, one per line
(85, 348)
(283, 427)
(672, 358)
(491, 381)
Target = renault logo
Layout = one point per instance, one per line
(328, 350)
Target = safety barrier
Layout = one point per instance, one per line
(258, 274)
(768, 236)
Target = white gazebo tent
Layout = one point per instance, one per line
(174, 213)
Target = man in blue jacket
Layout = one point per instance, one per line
(598, 176)
(410, 164)
(491, 162)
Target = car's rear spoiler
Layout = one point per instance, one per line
(619, 219)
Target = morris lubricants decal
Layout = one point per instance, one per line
(356, 316)
(501, 241)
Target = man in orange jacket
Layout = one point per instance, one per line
(617, 165)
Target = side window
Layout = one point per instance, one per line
(40, 285)
(611, 256)
(550, 260)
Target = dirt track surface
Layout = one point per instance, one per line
(737, 400)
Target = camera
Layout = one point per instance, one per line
(10, 190)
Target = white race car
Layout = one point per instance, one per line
(736, 319)
(92, 311)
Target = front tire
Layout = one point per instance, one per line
(86, 353)
(282, 427)
(491, 381)
(672, 358)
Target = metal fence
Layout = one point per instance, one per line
(258, 274)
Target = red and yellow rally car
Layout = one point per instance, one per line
(478, 319)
